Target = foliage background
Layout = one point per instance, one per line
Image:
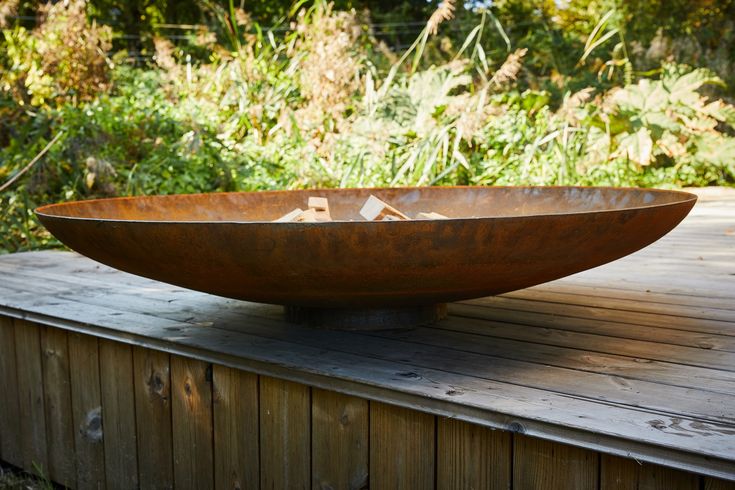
(357, 93)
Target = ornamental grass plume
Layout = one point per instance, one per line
(331, 44)
(73, 51)
(510, 68)
(572, 102)
(8, 9)
(164, 53)
(445, 11)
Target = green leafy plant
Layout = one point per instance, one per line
(321, 103)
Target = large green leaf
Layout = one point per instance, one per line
(683, 89)
(637, 147)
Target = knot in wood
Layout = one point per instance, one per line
(91, 428)
(156, 384)
(517, 427)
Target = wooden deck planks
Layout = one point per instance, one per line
(661, 335)
(575, 288)
(86, 402)
(543, 464)
(118, 413)
(236, 429)
(152, 380)
(340, 426)
(191, 422)
(665, 320)
(627, 474)
(636, 349)
(32, 412)
(718, 484)
(629, 342)
(639, 303)
(57, 403)
(424, 383)
(471, 456)
(10, 432)
(402, 448)
(589, 372)
(285, 434)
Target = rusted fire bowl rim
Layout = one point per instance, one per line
(498, 239)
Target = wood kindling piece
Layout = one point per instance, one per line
(290, 216)
(298, 215)
(376, 210)
(431, 215)
(308, 216)
(320, 205)
(318, 210)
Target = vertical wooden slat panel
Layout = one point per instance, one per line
(718, 484)
(57, 402)
(626, 474)
(152, 382)
(471, 456)
(10, 446)
(191, 420)
(118, 413)
(549, 465)
(339, 440)
(285, 459)
(87, 411)
(30, 396)
(235, 404)
(402, 447)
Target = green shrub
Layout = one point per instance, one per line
(325, 105)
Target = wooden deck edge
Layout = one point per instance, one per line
(682, 460)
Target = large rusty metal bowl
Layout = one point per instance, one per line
(498, 239)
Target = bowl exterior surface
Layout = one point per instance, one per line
(498, 240)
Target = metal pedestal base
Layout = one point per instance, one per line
(366, 318)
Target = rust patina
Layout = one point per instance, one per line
(498, 239)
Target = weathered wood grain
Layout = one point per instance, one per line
(720, 339)
(57, 403)
(659, 372)
(600, 291)
(636, 433)
(471, 456)
(552, 466)
(402, 447)
(191, 421)
(638, 304)
(10, 433)
(428, 349)
(661, 319)
(285, 434)
(661, 281)
(236, 432)
(86, 405)
(638, 346)
(339, 441)
(626, 474)
(718, 484)
(690, 296)
(152, 380)
(30, 397)
(688, 355)
(118, 413)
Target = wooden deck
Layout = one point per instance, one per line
(635, 359)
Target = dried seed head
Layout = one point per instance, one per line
(8, 8)
(445, 11)
(510, 67)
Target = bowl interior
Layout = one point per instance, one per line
(453, 202)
